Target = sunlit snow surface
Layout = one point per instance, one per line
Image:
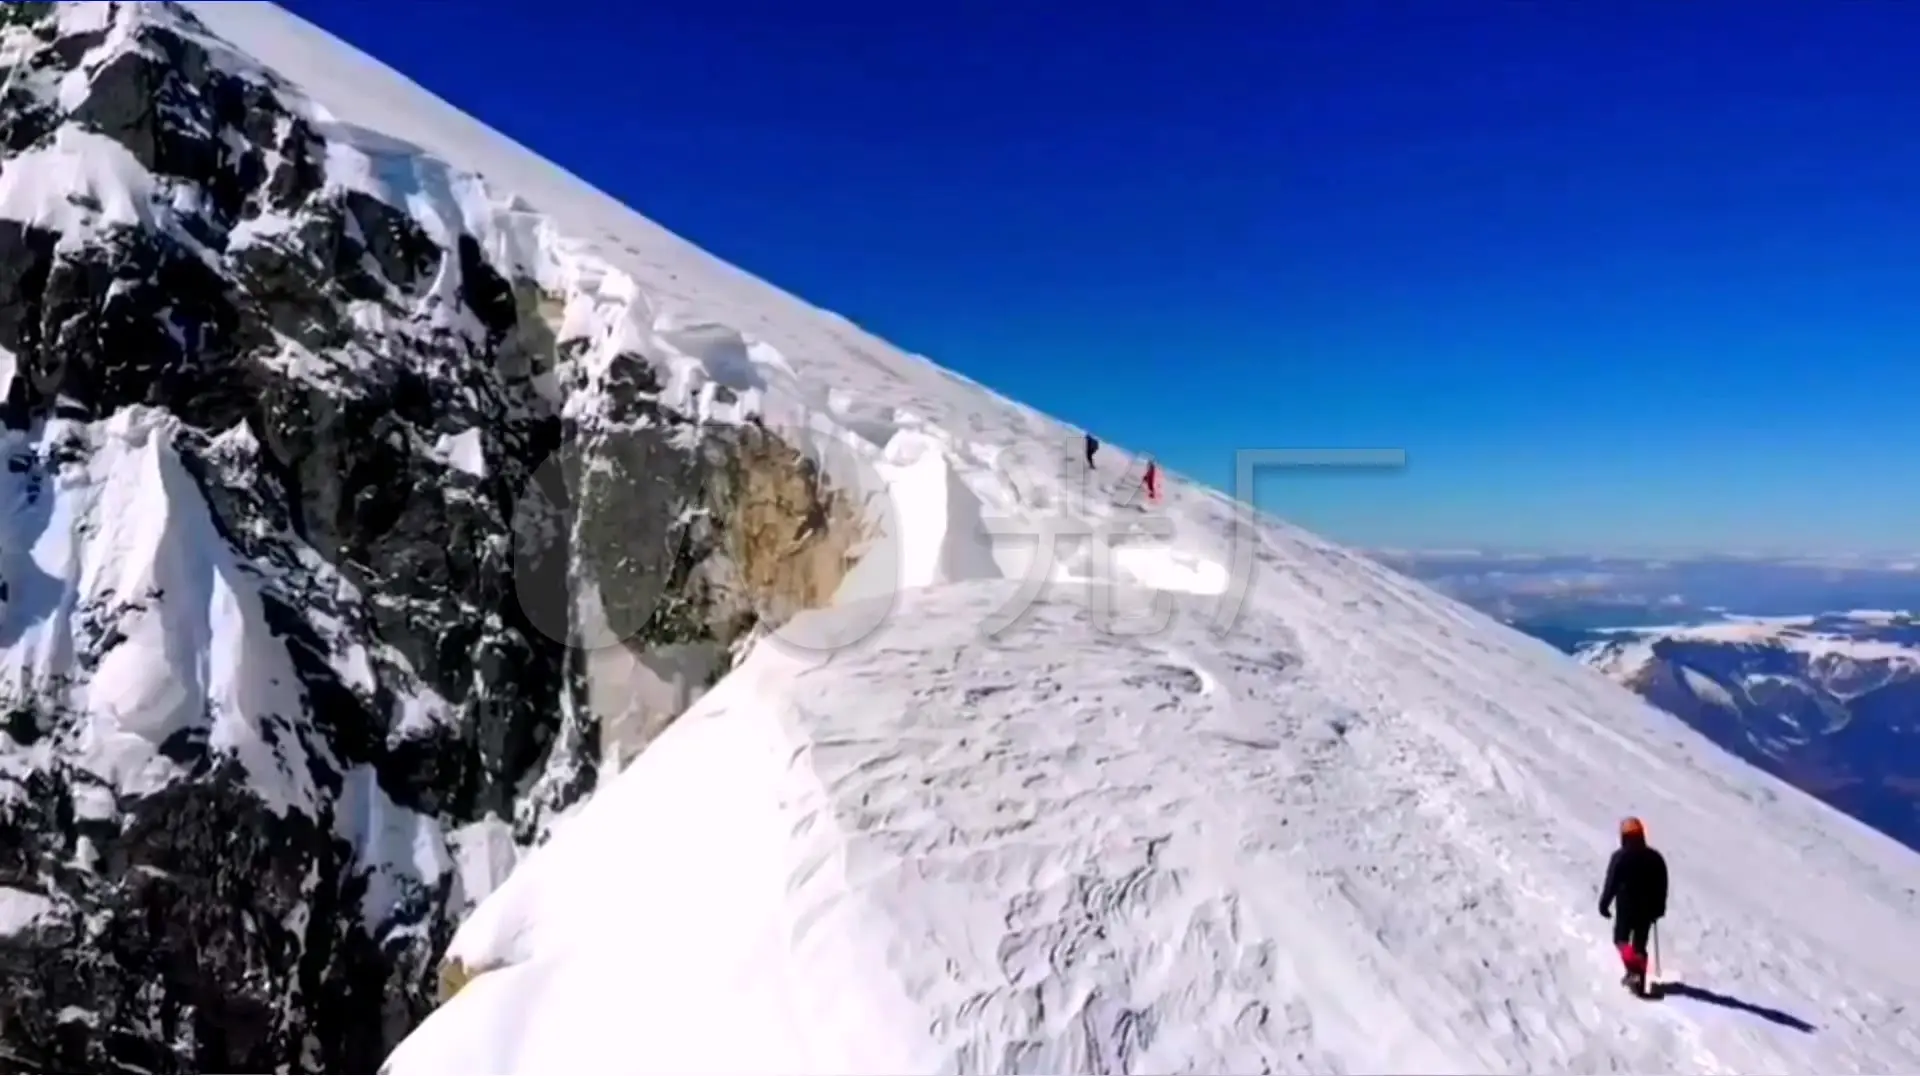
(1361, 831)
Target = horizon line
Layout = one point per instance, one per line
(1898, 560)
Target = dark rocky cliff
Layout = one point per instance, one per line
(178, 269)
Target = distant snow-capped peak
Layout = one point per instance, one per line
(1834, 648)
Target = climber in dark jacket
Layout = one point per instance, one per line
(1093, 446)
(1635, 896)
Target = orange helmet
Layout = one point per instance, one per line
(1631, 827)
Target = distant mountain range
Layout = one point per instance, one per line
(1830, 702)
(1589, 591)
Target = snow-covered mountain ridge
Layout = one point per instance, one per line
(949, 823)
(1849, 652)
(322, 459)
(1334, 840)
(1829, 702)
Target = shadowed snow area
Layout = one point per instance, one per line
(958, 823)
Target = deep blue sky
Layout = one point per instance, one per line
(1614, 274)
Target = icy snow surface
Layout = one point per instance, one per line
(976, 826)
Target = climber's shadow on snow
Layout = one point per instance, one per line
(1701, 994)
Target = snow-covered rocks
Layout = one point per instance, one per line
(313, 440)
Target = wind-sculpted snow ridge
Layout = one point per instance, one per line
(1360, 833)
(114, 566)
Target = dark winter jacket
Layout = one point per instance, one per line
(1636, 885)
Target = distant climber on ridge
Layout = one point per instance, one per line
(1634, 895)
(1152, 482)
(1093, 445)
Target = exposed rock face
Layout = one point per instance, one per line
(327, 553)
(679, 579)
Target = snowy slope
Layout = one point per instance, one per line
(949, 825)
(1360, 834)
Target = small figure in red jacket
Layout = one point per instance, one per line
(1153, 482)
